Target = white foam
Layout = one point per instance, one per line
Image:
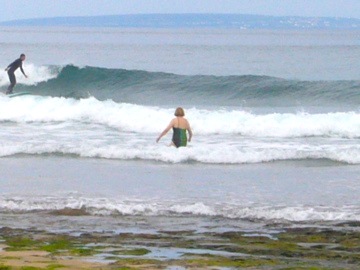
(45, 125)
(298, 213)
(106, 207)
(146, 119)
(113, 147)
(35, 74)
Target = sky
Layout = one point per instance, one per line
(28, 9)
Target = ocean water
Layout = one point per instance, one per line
(275, 116)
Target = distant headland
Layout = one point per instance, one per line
(232, 21)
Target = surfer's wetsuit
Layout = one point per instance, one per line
(179, 137)
(11, 72)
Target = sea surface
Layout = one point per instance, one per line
(275, 116)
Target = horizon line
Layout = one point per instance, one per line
(188, 13)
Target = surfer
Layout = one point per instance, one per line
(11, 72)
(179, 125)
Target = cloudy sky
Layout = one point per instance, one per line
(26, 9)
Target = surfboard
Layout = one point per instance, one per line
(18, 94)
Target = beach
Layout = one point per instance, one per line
(139, 236)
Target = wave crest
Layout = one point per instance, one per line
(155, 88)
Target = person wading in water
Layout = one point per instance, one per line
(179, 125)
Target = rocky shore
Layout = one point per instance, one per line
(312, 248)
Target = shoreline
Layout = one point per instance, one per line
(291, 248)
(37, 190)
(73, 238)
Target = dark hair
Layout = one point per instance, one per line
(22, 55)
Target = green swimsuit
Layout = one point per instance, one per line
(179, 136)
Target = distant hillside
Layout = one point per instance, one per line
(194, 21)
